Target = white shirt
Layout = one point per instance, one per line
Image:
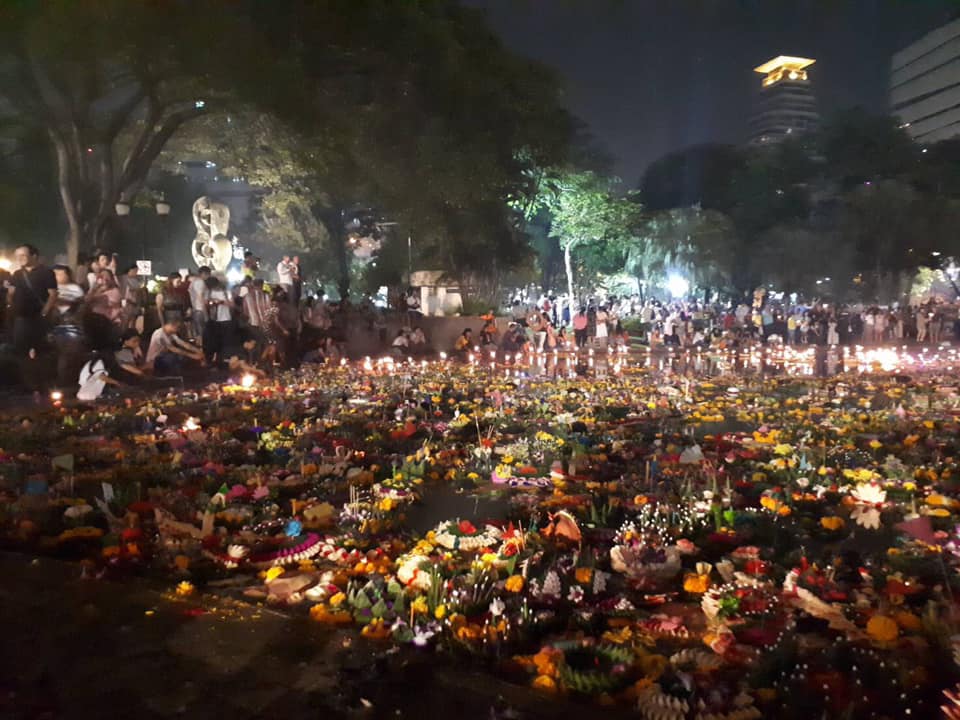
(67, 295)
(221, 311)
(285, 273)
(199, 294)
(160, 342)
(92, 380)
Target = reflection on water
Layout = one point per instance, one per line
(759, 362)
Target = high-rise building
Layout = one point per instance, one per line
(925, 85)
(785, 104)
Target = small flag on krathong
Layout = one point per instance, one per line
(919, 528)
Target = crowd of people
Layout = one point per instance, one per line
(96, 327)
(756, 320)
(99, 325)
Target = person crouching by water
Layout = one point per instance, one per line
(168, 352)
(463, 344)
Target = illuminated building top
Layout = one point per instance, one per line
(784, 67)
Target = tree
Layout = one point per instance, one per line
(110, 83)
(584, 209)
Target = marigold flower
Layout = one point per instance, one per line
(583, 575)
(882, 629)
(514, 583)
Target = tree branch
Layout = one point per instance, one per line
(137, 165)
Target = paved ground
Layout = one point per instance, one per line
(71, 648)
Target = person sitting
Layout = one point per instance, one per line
(129, 357)
(488, 336)
(418, 342)
(167, 350)
(93, 380)
(400, 345)
(514, 339)
(464, 343)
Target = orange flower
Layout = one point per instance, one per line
(514, 583)
(583, 575)
(831, 523)
(545, 683)
(694, 583)
(882, 629)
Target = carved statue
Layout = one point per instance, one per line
(211, 246)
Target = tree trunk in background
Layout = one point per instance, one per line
(568, 267)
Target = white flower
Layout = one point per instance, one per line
(237, 551)
(869, 493)
(497, 606)
(599, 581)
(868, 517)
(803, 482)
(576, 594)
(551, 585)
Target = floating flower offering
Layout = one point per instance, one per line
(688, 535)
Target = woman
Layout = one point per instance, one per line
(601, 319)
(280, 330)
(105, 305)
(173, 299)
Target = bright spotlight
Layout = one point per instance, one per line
(677, 285)
(248, 380)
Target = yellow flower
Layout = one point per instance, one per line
(882, 629)
(831, 523)
(419, 606)
(272, 574)
(783, 449)
(440, 612)
(338, 599)
(514, 583)
(876, 444)
(184, 589)
(386, 505)
(693, 583)
(489, 558)
(583, 575)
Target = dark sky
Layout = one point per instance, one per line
(651, 76)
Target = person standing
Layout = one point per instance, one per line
(297, 281)
(33, 300)
(285, 271)
(601, 325)
(219, 328)
(199, 297)
(580, 323)
(130, 293)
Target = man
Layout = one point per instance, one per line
(167, 350)
(297, 281)
(255, 307)
(285, 270)
(199, 297)
(33, 300)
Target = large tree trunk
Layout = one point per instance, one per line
(568, 267)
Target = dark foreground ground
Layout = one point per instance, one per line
(72, 648)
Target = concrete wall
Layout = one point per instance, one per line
(441, 334)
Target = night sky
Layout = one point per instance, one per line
(651, 76)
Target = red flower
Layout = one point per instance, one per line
(466, 528)
(756, 567)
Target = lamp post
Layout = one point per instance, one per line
(161, 207)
